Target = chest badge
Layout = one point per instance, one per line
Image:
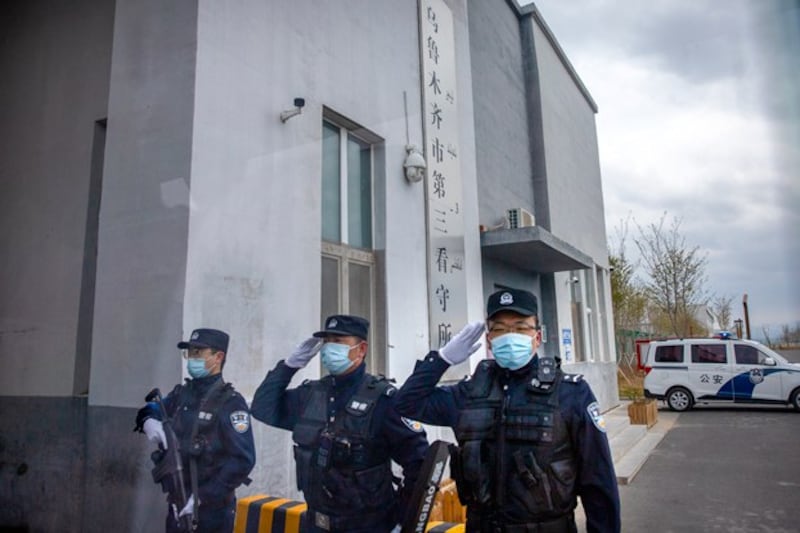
(240, 420)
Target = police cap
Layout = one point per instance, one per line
(206, 338)
(517, 300)
(345, 325)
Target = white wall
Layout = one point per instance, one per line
(253, 260)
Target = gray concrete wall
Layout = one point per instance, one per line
(54, 60)
(144, 211)
(503, 159)
(574, 187)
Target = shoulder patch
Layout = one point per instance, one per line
(240, 420)
(573, 378)
(597, 418)
(413, 425)
(390, 391)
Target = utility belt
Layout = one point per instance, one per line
(333, 523)
(562, 524)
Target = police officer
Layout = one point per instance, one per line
(212, 425)
(531, 438)
(346, 432)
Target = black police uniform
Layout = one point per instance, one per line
(530, 442)
(346, 432)
(223, 446)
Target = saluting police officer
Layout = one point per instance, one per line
(531, 438)
(346, 432)
(212, 424)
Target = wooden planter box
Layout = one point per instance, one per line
(643, 412)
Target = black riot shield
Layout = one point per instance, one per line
(425, 489)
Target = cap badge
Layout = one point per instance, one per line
(332, 323)
(195, 335)
(506, 299)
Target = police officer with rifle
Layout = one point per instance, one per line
(531, 438)
(346, 433)
(204, 436)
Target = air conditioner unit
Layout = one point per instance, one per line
(520, 218)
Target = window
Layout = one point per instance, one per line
(708, 353)
(669, 354)
(578, 318)
(749, 355)
(348, 258)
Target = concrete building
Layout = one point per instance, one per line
(155, 176)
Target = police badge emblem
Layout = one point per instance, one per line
(413, 425)
(195, 335)
(756, 376)
(597, 418)
(506, 299)
(240, 420)
(332, 323)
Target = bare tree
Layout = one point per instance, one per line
(765, 332)
(676, 273)
(627, 299)
(721, 308)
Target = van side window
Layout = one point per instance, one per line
(749, 355)
(669, 354)
(708, 353)
(746, 355)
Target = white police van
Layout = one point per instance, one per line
(686, 371)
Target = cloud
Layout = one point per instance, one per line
(699, 117)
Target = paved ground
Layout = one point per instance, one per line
(719, 469)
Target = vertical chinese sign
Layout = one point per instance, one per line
(447, 302)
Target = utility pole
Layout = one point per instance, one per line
(746, 315)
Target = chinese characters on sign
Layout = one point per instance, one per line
(446, 277)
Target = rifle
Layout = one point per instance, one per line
(168, 469)
(425, 489)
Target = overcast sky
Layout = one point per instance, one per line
(699, 117)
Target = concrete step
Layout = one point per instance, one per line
(629, 464)
(625, 440)
(615, 423)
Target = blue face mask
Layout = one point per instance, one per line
(197, 368)
(512, 350)
(335, 357)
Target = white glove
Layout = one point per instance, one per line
(463, 344)
(304, 353)
(188, 508)
(154, 430)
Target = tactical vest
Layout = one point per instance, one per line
(198, 434)
(339, 468)
(515, 463)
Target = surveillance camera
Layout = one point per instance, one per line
(299, 102)
(574, 279)
(611, 269)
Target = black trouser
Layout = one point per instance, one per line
(218, 520)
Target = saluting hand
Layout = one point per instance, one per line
(304, 353)
(463, 344)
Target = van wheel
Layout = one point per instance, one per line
(794, 399)
(680, 399)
